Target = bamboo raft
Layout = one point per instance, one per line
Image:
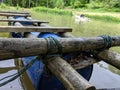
(87, 51)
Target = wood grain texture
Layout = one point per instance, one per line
(13, 14)
(34, 29)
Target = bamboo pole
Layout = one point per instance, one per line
(17, 47)
(71, 79)
(110, 57)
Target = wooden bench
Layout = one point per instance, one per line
(34, 29)
(32, 21)
(14, 14)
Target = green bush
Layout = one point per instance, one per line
(78, 4)
(3, 6)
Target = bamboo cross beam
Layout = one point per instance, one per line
(20, 47)
(31, 21)
(34, 29)
(67, 75)
(13, 14)
(110, 57)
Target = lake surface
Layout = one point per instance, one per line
(104, 75)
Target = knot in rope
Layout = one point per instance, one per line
(107, 44)
(51, 43)
(107, 41)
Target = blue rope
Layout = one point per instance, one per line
(107, 44)
(51, 43)
(16, 75)
(107, 41)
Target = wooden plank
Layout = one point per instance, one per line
(71, 79)
(34, 29)
(12, 14)
(32, 21)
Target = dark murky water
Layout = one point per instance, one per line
(102, 76)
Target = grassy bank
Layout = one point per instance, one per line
(54, 11)
(105, 18)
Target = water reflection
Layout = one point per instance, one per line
(103, 78)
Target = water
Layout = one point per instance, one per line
(8, 68)
(102, 77)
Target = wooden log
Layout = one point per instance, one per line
(34, 29)
(110, 57)
(12, 14)
(67, 75)
(17, 47)
(32, 21)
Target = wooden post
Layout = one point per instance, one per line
(67, 75)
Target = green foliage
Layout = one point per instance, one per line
(55, 10)
(62, 3)
(3, 6)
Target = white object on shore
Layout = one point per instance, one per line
(79, 19)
